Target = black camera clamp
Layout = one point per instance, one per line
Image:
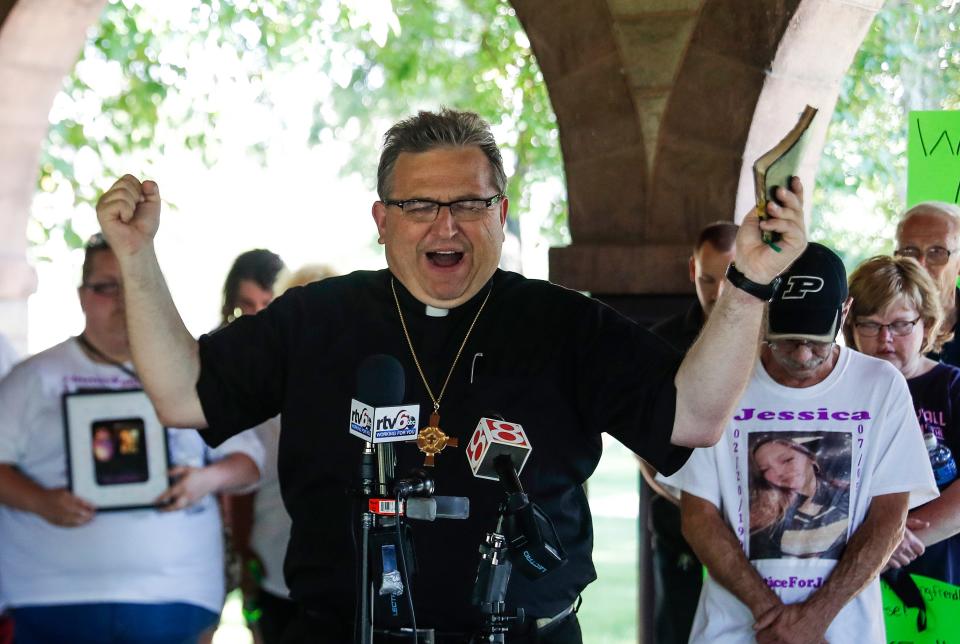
(525, 537)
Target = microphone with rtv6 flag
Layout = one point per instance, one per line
(386, 557)
(524, 537)
(378, 414)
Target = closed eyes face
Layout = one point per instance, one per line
(800, 358)
(894, 334)
(708, 269)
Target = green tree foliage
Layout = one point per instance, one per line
(908, 61)
(135, 90)
(470, 54)
(114, 111)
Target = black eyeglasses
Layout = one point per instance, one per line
(424, 211)
(789, 346)
(106, 289)
(932, 255)
(899, 327)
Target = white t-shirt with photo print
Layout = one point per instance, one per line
(856, 434)
(142, 556)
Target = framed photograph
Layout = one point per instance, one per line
(116, 449)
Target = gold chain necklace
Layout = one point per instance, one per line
(431, 440)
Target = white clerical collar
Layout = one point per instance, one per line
(434, 312)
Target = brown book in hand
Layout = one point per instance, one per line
(776, 167)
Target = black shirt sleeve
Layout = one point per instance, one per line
(626, 386)
(243, 369)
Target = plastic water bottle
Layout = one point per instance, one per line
(941, 460)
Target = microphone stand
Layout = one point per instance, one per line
(368, 481)
(493, 575)
(376, 476)
(525, 536)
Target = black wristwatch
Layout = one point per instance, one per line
(765, 292)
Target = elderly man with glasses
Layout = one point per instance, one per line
(798, 507)
(930, 233)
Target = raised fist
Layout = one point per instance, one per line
(129, 214)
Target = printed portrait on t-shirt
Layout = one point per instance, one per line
(799, 486)
(119, 451)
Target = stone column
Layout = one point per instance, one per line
(39, 43)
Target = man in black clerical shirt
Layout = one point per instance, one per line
(472, 340)
(677, 574)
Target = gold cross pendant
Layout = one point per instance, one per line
(431, 440)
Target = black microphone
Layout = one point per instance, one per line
(498, 450)
(381, 381)
(387, 564)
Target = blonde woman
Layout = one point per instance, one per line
(897, 316)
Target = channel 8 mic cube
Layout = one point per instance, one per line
(493, 438)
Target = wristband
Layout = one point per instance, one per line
(765, 292)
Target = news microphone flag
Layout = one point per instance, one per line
(383, 424)
(492, 438)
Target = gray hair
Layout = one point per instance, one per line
(429, 130)
(948, 211)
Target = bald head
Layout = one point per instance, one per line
(930, 233)
(948, 213)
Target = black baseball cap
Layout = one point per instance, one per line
(809, 302)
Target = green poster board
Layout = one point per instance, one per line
(933, 157)
(943, 614)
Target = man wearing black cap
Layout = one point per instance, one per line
(796, 509)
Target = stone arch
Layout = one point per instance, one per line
(39, 43)
(707, 82)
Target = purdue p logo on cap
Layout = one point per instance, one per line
(810, 301)
(797, 286)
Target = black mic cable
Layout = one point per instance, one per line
(403, 566)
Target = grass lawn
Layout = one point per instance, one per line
(609, 611)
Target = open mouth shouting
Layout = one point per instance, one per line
(444, 258)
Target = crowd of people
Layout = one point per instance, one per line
(825, 455)
(785, 464)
